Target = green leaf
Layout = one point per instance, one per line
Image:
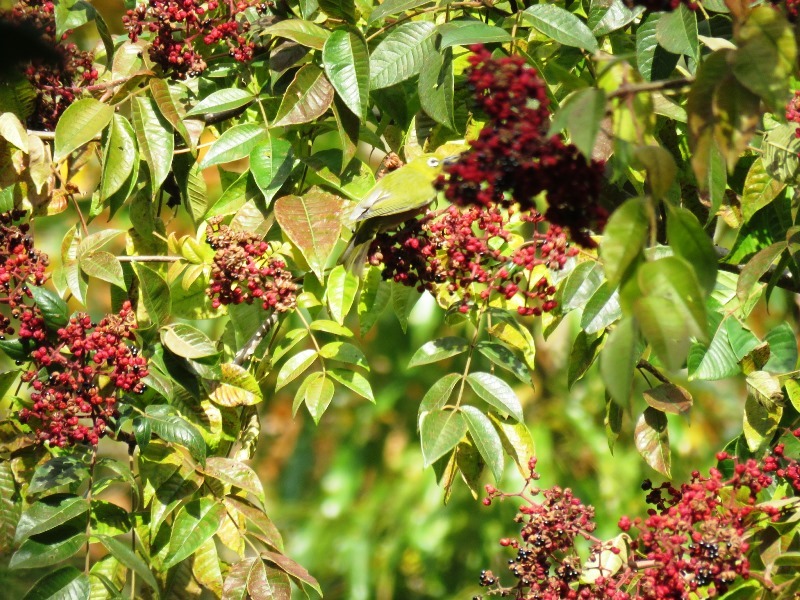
(766, 55)
(12, 130)
(353, 380)
(585, 350)
(466, 33)
(271, 163)
(375, 296)
(760, 423)
(58, 471)
(118, 157)
(128, 557)
(195, 523)
(9, 507)
(581, 113)
(105, 266)
(651, 437)
(295, 366)
(155, 295)
(404, 298)
(440, 432)
(608, 16)
(717, 360)
(661, 169)
(737, 113)
(206, 567)
(79, 124)
(624, 237)
(339, 9)
(172, 428)
(220, 101)
(289, 341)
(517, 442)
(701, 118)
(665, 329)
(393, 7)
(618, 359)
(759, 187)
(290, 567)
(235, 584)
(156, 141)
(669, 398)
(344, 352)
(318, 394)
(653, 61)
(783, 349)
(439, 393)
(673, 279)
(193, 188)
(237, 387)
(496, 392)
(579, 286)
(159, 90)
(234, 143)
(109, 519)
(308, 96)
(401, 54)
(688, 240)
(781, 157)
(186, 341)
(54, 310)
(766, 388)
(50, 548)
(346, 60)
(312, 222)
(486, 439)
(305, 33)
(756, 267)
(438, 349)
(341, 292)
(601, 310)
(561, 26)
(49, 513)
(66, 583)
(257, 517)
(435, 87)
(505, 359)
(331, 327)
(677, 32)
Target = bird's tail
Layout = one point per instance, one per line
(354, 256)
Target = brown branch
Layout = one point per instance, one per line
(784, 280)
(250, 346)
(638, 88)
(646, 366)
(156, 259)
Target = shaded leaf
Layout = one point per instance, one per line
(652, 440)
(79, 124)
(437, 350)
(440, 432)
(194, 524)
(486, 439)
(308, 96)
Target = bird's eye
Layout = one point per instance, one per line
(433, 162)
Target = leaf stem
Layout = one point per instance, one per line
(472, 345)
(650, 86)
(147, 258)
(88, 560)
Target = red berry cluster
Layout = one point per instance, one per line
(547, 565)
(57, 85)
(693, 543)
(513, 160)
(21, 266)
(188, 32)
(72, 403)
(243, 271)
(793, 111)
(462, 253)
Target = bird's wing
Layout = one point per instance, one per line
(372, 206)
(364, 208)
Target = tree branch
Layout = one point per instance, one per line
(784, 280)
(653, 86)
(156, 259)
(250, 346)
(646, 366)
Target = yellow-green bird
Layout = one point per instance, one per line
(396, 198)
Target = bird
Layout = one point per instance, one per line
(395, 198)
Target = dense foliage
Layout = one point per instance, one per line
(244, 188)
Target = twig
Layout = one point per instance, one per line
(629, 90)
(646, 366)
(156, 259)
(250, 346)
(785, 281)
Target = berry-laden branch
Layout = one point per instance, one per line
(697, 539)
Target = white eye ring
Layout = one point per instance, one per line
(433, 162)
